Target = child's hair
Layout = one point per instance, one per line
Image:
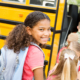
(72, 37)
(19, 38)
(34, 17)
(76, 47)
(66, 69)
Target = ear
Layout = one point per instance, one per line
(28, 29)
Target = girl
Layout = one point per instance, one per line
(71, 37)
(66, 68)
(33, 34)
(75, 46)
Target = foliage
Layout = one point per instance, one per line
(75, 2)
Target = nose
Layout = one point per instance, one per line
(47, 33)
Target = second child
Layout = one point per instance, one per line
(66, 68)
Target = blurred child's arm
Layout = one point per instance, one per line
(78, 75)
(54, 67)
(38, 73)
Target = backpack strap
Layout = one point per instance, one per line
(38, 47)
(2, 63)
(3, 58)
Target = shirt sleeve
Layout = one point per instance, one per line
(35, 58)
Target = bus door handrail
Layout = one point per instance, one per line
(67, 30)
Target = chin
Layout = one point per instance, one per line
(43, 43)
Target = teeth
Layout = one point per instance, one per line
(45, 38)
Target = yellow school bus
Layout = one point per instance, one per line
(14, 12)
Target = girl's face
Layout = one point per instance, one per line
(41, 31)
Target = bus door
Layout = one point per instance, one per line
(13, 12)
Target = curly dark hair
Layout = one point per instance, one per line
(34, 17)
(18, 38)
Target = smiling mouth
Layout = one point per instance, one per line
(45, 39)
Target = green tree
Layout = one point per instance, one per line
(75, 2)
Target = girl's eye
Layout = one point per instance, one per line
(49, 29)
(41, 29)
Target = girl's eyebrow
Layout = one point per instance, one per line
(43, 27)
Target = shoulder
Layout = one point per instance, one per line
(73, 34)
(72, 37)
(62, 49)
(51, 77)
(34, 49)
(35, 57)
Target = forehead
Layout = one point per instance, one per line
(43, 23)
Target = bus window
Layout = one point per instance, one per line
(16, 1)
(47, 3)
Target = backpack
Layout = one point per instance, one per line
(10, 69)
(12, 64)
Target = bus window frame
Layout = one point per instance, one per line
(44, 6)
(15, 2)
(30, 5)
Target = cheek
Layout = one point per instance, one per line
(49, 33)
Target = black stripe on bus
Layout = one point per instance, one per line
(48, 47)
(4, 37)
(53, 36)
(10, 22)
(28, 7)
(52, 29)
(15, 22)
(60, 31)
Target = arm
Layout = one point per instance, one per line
(38, 73)
(36, 62)
(78, 75)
